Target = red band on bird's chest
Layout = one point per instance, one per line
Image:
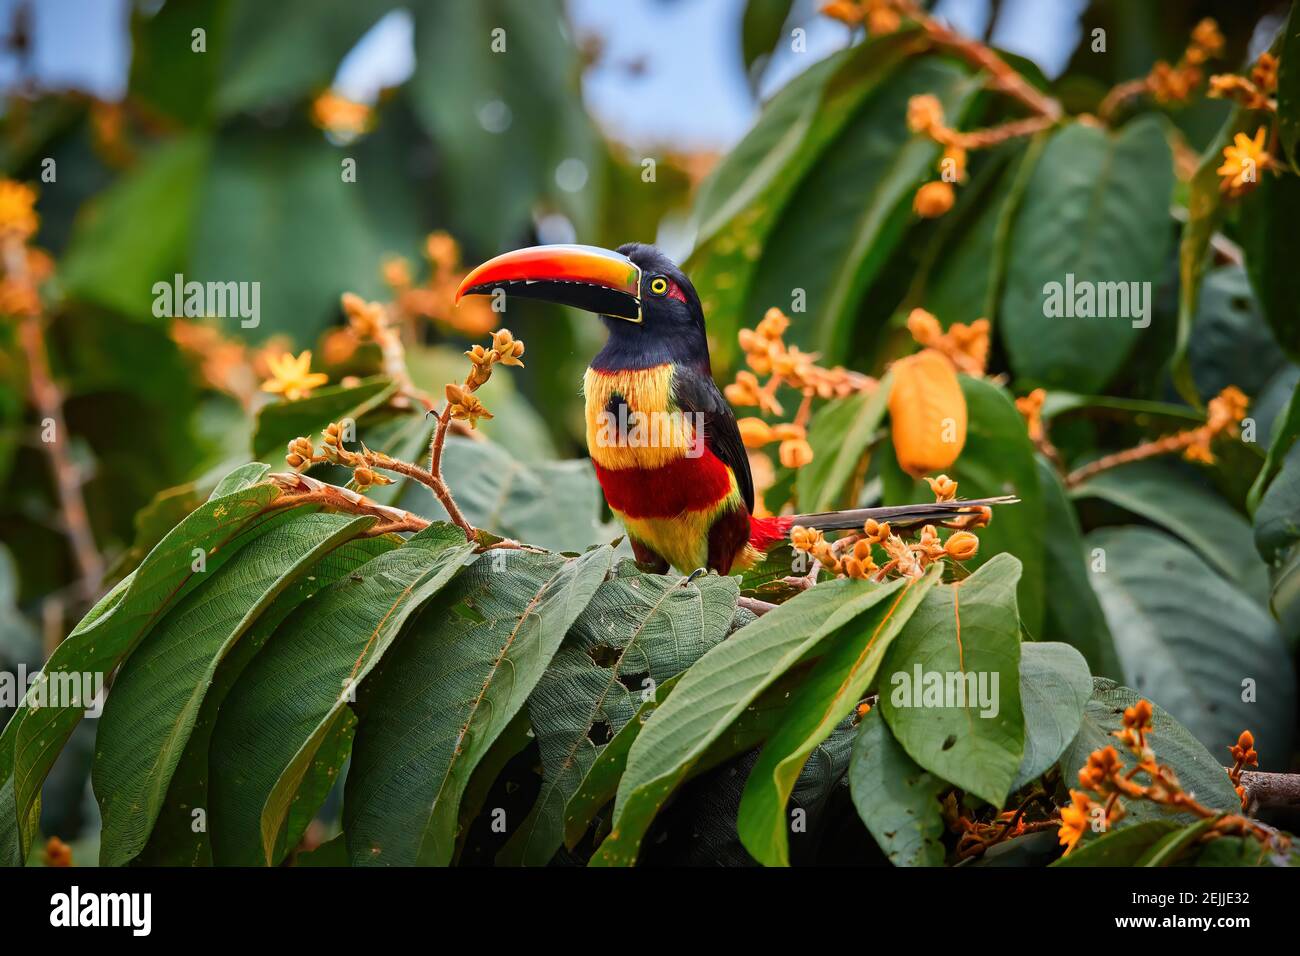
(685, 484)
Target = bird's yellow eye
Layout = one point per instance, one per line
(658, 285)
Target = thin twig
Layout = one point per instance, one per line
(47, 399)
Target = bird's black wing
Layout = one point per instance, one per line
(695, 392)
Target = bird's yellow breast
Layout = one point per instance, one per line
(652, 433)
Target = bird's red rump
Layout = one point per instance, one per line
(765, 532)
(684, 484)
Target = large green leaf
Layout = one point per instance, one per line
(112, 629)
(452, 687)
(1197, 770)
(177, 838)
(741, 201)
(275, 210)
(998, 459)
(1192, 642)
(959, 279)
(849, 213)
(964, 643)
(639, 630)
(1277, 519)
(286, 702)
(281, 422)
(896, 799)
(1097, 208)
(840, 435)
(160, 688)
(1288, 88)
(1161, 494)
(1054, 688)
(1268, 215)
(836, 684)
(1123, 847)
(1073, 614)
(716, 691)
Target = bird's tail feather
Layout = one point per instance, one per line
(765, 532)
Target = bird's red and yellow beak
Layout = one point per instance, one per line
(586, 277)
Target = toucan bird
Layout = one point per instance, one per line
(663, 439)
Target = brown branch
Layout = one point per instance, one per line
(753, 604)
(1004, 78)
(303, 489)
(1270, 790)
(437, 484)
(47, 399)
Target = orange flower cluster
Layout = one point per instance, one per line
(766, 353)
(57, 853)
(925, 115)
(1256, 92)
(1223, 414)
(1104, 782)
(966, 346)
(907, 559)
(1174, 84)
(1243, 756)
(436, 299)
(879, 16)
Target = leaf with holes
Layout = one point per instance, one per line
(953, 699)
(638, 631)
(896, 799)
(435, 709)
(718, 690)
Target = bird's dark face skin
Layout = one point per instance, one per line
(648, 304)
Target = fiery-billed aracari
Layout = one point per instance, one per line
(685, 502)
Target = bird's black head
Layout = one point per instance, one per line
(649, 305)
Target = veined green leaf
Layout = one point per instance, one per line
(896, 799)
(1198, 771)
(836, 684)
(175, 841)
(1096, 208)
(1120, 847)
(638, 630)
(1159, 493)
(715, 692)
(112, 629)
(281, 422)
(954, 675)
(448, 692)
(1054, 689)
(160, 688)
(1192, 641)
(1073, 614)
(283, 708)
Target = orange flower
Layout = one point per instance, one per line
(337, 114)
(933, 199)
(57, 853)
(17, 209)
(1074, 819)
(962, 546)
(754, 432)
(292, 377)
(795, 453)
(924, 113)
(1243, 161)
